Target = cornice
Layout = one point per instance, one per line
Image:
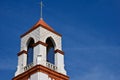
(22, 52)
(40, 68)
(59, 51)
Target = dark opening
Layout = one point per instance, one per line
(50, 51)
(30, 51)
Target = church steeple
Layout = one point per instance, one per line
(41, 56)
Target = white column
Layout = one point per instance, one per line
(39, 55)
(59, 62)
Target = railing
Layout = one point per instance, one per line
(48, 64)
(51, 66)
(28, 66)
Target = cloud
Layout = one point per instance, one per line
(97, 73)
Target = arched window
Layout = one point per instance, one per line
(30, 51)
(50, 50)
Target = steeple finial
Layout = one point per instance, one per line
(41, 12)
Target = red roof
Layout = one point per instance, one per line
(43, 24)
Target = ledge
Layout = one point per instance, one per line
(59, 51)
(40, 68)
(22, 52)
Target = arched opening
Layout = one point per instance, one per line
(50, 50)
(30, 50)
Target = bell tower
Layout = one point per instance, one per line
(41, 56)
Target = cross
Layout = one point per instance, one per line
(41, 12)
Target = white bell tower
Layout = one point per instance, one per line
(41, 56)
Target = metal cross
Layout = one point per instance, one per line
(41, 13)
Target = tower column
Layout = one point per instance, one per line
(59, 61)
(22, 60)
(40, 53)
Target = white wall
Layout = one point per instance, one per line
(39, 76)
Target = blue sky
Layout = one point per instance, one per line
(90, 29)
